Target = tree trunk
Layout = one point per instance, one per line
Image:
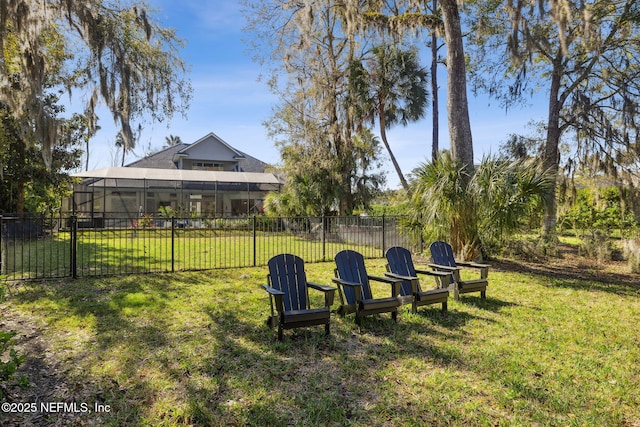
(434, 92)
(383, 136)
(20, 197)
(551, 158)
(457, 104)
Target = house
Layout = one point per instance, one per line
(208, 178)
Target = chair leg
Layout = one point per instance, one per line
(444, 307)
(483, 294)
(394, 316)
(327, 329)
(279, 333)
(272, 321)
(414, 306)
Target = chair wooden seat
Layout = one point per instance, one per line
(380, 305)
(310, 316)
(433, 296)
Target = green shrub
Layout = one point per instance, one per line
(479, 213)
(596, 209)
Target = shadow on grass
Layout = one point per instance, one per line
(579, 276)
(105, 308)
(227, 368)
(254, 379)
(489, 303)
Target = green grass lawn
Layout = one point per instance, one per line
(193, 349)
(118, 252)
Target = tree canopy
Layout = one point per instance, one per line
(586, 55)
(310, 47)
(109, 52)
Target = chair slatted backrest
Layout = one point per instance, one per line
(350, 267)
(286, 273)
(442, 253)
(400, 262)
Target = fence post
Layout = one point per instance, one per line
(254, 240)
(173, 244)
(384, 235)
(324, 237)
(3, 252)
(74, 246)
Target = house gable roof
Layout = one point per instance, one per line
(205, 144)
(163, 159)
(208, 148)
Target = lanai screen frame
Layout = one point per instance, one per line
(147, 180)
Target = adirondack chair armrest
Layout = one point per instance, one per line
(400, 276)
(434, 273)
(390, 280)
(484, 268)
(272, 291)
(473, 264)
(444, 267)
(395, 283)
(346, 283)
(329, 292)
(274, 294)
(412, 279)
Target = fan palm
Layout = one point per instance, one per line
(473, 212)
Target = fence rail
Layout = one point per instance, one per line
(34, 248)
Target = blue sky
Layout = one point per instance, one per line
(229, 101)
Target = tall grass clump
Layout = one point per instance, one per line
(477, 213)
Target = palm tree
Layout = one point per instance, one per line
(120, 143)
(392, 88)
(478, 211)
(172, 140)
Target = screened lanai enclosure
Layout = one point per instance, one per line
(116, 193)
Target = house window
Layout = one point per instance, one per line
(208, 166)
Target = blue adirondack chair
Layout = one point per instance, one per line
(355, 290)
(288, 290)
(400, 266)
(443, 260)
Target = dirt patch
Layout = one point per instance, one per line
(46, 375)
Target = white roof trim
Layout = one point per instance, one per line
(179, 175)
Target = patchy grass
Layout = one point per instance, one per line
(193, 349)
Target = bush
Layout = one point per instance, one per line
(596, 209)
(479, 213)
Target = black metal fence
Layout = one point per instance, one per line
(43, 248)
